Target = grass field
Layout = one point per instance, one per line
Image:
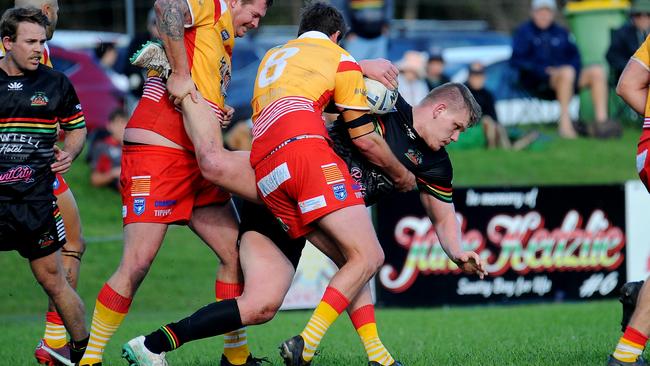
(182, 279)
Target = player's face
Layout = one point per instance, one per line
(28, 48)
(445, 126)
(247, 16)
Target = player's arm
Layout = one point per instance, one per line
(171, 17)
(633, 85)
(361, 128)
(443, 217)
(73, 123)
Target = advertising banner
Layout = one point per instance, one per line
(551, 243)
(637, 206)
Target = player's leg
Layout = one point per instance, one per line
(55, 334)
(632, 343)
(361, 310)
(141, 244)
(230, 170)
(217, 226)
(364, 255)
(48, 271)
(262, 297)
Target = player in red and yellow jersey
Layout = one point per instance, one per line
(299, 177)
(633, 88)
(54, 338)
(161, 180)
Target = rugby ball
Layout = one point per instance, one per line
(380, 99)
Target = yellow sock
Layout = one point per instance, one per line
(110, 310)
(331, 305)
(235, 343)
(363, 320)
(630, 346)
(54, 330)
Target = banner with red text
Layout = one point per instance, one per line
(551, 243)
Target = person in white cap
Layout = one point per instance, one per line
(550, 68)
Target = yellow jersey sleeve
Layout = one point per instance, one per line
(205, 12)
(349, 90)
(642, 55)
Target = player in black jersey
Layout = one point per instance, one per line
(35, 100)
(417, 137)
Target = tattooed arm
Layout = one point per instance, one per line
(171, 17)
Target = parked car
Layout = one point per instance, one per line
(96, 92)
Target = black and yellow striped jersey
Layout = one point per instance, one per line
(32, 107)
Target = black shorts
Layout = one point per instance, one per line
(259, 219)
(34, 229)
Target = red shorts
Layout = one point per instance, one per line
(59, 184)
(163, 185)
(304, 181)
(642, 161)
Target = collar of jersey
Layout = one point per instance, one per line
(314, 34)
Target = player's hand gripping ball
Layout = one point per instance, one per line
(381, 100)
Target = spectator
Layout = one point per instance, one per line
(496, 135)
(107, 153)
(549, 66)
(435, 68)
(106, 55)
(411, 77)
(369, 24)
(627, 39)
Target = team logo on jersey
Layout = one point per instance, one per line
(225, 35)
(14, 86)
(139, 205)
(414, 156)
(340, 193)
(39, 99)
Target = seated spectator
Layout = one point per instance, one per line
(411, 77)
(435, 68)
(627, 39)
(106, 55)
(496, 135)
(549, 66)
(107, 153)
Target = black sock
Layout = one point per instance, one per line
(77, 349)
(209, 321)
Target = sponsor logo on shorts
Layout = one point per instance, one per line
(139, 205)
(640, 160)
(332, 173)
(272, 181)
(46, 240)
(340, 192)
(164, 203)
(225, 35)
(124, 210)
(358, 194)
(284, 226)
(140, 185)
(56, 183)
(312, 204)
(162, 213)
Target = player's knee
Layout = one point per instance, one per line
(211, 163)
(52, 282)
(266, 312)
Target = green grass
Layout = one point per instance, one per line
(182, 279)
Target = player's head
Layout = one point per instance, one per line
(324, 18)
(444, 113)
(49, 7)
(247, 14)
(23, 36)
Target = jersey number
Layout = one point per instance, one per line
(274, 66)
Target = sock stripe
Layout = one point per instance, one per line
(635, 336)
(113, 301)
(362, 316)
(54, 318)
(335, 299)
(171, 336)
(225, 290)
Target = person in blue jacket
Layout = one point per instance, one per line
(549, 65)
